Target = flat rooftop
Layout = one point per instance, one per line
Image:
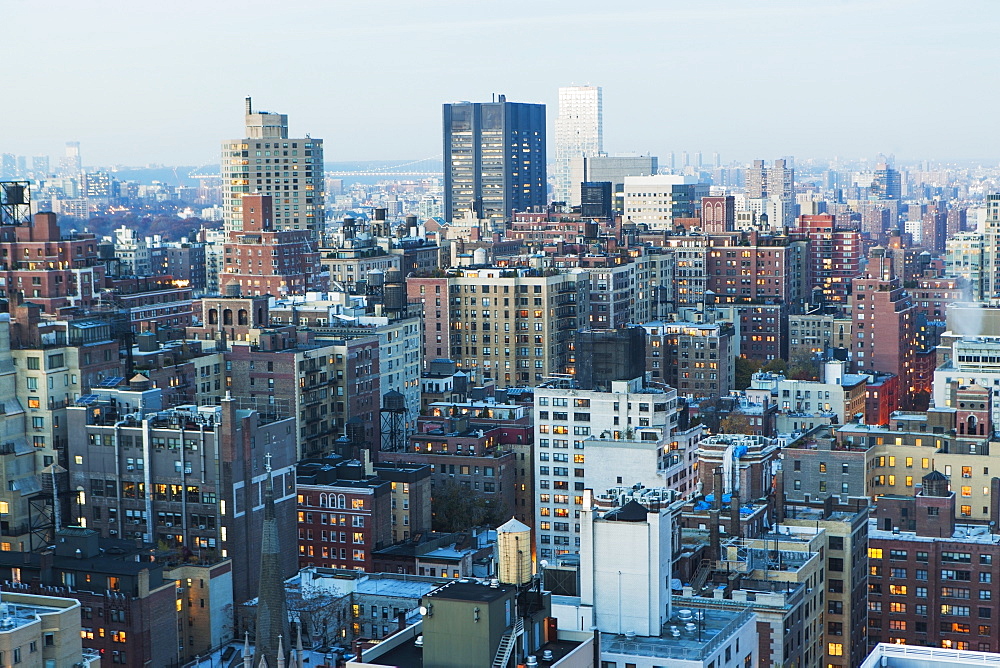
(909, 656)
(676, 641)
(964, 533)
(468, 589)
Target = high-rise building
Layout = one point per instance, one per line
(494, 158)
(579, 132)
(613, 169)
(774, 190)
(180, 477)
(292, 265)
(593, 439)
(71, 164)
(884, 325)
(886, 183)
(267, 162)
(833, 258)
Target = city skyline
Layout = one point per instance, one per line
(793, 96)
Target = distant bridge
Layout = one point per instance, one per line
(382, 173)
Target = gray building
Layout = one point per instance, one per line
(613, 169)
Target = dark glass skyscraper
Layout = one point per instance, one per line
(494, 158)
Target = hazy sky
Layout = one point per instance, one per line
(163, 82)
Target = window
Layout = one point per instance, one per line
(956, 610)
(835, 649)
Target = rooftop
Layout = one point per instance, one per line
(468, 589)
(909, 656)
(964, 533)
(711, 628)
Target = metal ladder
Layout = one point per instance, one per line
(507, 643)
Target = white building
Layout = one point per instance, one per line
(911, 656)
(625, 567)
(626, 590)
(133, 252)
(964, 257)
(596, 440)
(974, 360)
(841, 394)
(653, 199)
(214, 261)
(579, 133)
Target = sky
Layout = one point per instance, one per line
(147, 82)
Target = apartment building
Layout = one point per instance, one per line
(511, 326)
(590, 439)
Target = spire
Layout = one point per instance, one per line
(298, 648)
(272, 615)
(247, 654)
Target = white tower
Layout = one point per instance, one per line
(579, 133)
(625, 567)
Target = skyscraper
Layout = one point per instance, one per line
(71, 164)
(267, 162)
(579, 133)
(494, 158)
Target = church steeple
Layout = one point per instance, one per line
(272, 614)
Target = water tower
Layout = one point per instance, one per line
(514, 551)
(393, 422)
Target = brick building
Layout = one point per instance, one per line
(932, 582)
(263, 260)
(834, 256)
(344, 514)
(39, 264)
(128, 610)
(884, 328)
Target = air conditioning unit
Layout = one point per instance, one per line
(201, 526)
(169, 524)
(137, 521)
(130, 467)
(113, 532)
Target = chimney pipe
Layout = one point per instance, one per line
(734, 513)
(715, 548)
